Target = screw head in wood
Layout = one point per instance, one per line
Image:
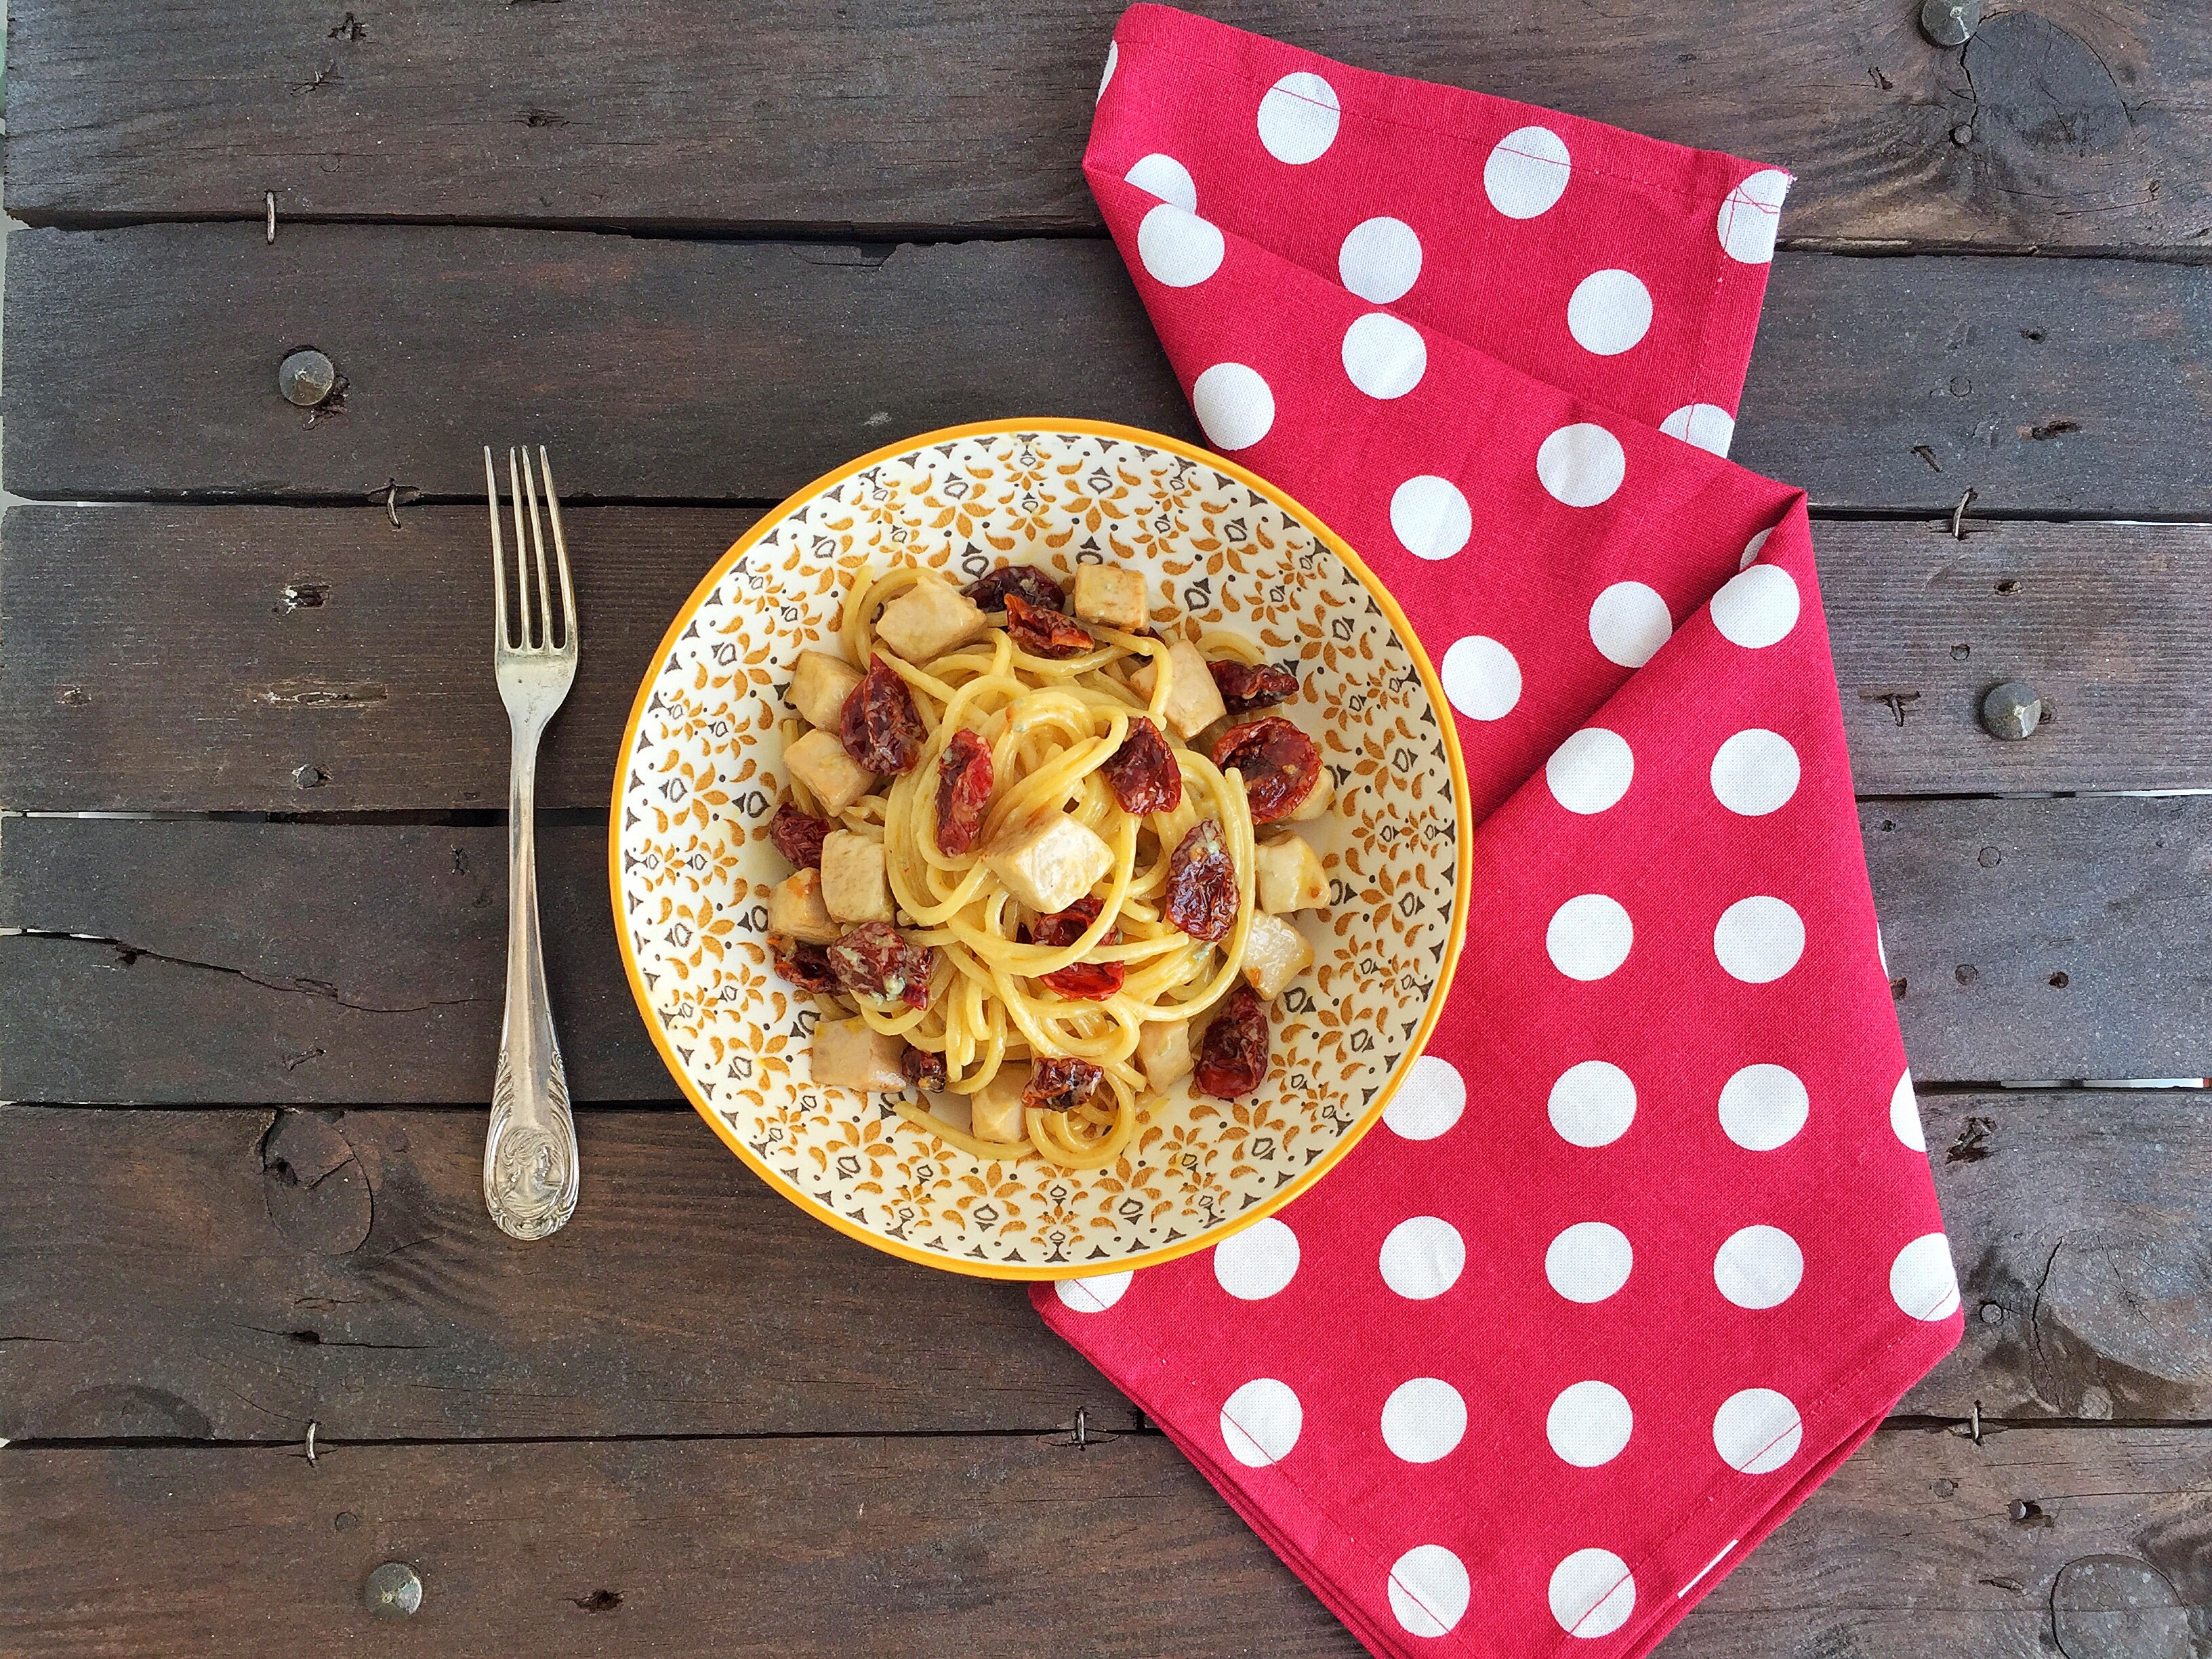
(2011, 711)
(394, 1591)
(1950, 23)
(306, 377)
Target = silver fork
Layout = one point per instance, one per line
(530, 1170)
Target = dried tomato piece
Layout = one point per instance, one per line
(1083, 981)
(1233, 1059)
(1059, 1085)
(875, 959)
(1043, 633)
(990, 591)
(964, 789)
(881, 728)
(1279, 764)
(1143, 772)
(798, 835)
(807, 966)
(922, 1068)
(1202, 884)
(1245, 686)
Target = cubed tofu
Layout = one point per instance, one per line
(1193, 700)
(819, 686)
(1164, 1052)
(849, 1055)
(818, 759)
(795, 909)
(1275, 953)
(853, 885)
(1111, 597)
(1051, 865)
(1290, 877)
(994, 1111)
(1318, 802)
(929, 619)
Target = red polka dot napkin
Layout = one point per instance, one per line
(1646, 1243)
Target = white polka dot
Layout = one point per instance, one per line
(1429, 517)
(1429, 1590)
(1905, 1113)
(1380, 260)
(1608, 311)
(1589, 1423)
(1759, 940)
(1385, 356)
(1113, 59)
(1628, 623)
(1095, 1294)
(1593, 1103)
(1757, 1431)
(1423, 1419)
(1590, 771)
(1166, 178)
(1298, 117)
(1260, 1422)
(1758, 1268)
(1763, 1107)
(1751, 549)
(1750, 214)
(1755, 772)
(1922, 1280)
(1233, 403)
(1177, 247)
(1588, 937)
(1428, 1102)
(1422, 1257)
(1758, 607)
(1588, 1261)
(1592, 1594)
(1255, 1263)
(1707, 426)
(1526, 172)
(1580, 464)
(1482, 678)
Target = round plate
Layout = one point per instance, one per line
(700, 775)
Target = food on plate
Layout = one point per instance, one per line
(1027, 883)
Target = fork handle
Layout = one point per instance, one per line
(531, 1168)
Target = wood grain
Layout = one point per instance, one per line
(233, 1274)
(2078, 124)
(848, 1547)
(144, 363)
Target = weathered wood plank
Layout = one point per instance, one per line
(202, 658)
(142, 362)
(2080, 124)
(235, 1275)
(997, 1544)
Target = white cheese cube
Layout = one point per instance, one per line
(819, 686)
(1275, 953)
(1289, 875)
(994, 1111)
(1317, 801)
(1164, 1052)
(929, 619)
(847, 1054)
(853, 885)
(795, 909)
(818, 759)
(1111, 597)
(1050, 865)
(1193, 700)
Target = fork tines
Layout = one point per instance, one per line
(529, 556)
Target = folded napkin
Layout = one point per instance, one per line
(1646, 1243)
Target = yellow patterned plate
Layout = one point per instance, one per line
(700, 776)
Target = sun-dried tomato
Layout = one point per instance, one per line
(1233, 1059)
(881, 728)
(1043, 633)
(875, 960)
(798, 835)
(922, 1068)
(1143, 772)
(1083, 981)
(964, 789)
(1245, 686)
(807, 966)
(1279, 764)
(1059, 1085)
(1202, 884)
(990, 591)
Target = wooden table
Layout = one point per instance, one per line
(253, 760)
